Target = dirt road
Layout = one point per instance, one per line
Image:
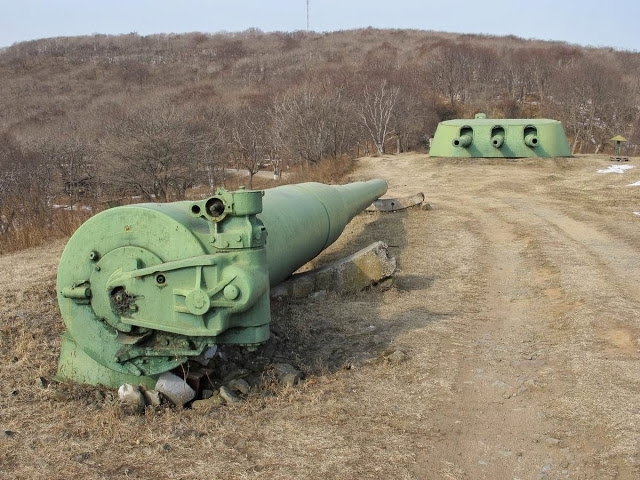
(534, 267)
(516, 303)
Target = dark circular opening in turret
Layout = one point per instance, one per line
(215, 207)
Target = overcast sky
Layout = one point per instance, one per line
(612, 23)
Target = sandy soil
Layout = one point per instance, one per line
(531, 353)
(516, 301)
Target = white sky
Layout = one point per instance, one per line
(613, 23)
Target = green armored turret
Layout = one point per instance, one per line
(507, 138)
(142, 288)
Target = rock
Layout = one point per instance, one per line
(502, 385)
(239, 385)
(397, 356)
(175, 389)
(395, 204)
(131, 395)
(133, 402)
(235, 373)
(551, 441)
(207, 394)
(59, 396)
(6, 434)
(288, 374)
(228, 396)
(426, 206)
(82, 457)
(349, 275)
(214, 401)
(385, 284)
(290, 379)
(283, 368)
(42, 382)
(205, 357)
(151, 397)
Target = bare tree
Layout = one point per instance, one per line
(132, 71)
(414, 117)
(409, 116)
(161, 151)
(303, 120)
(451, 71)
(68, 149)
(376, 110)
(594, 103)
(27, 185)
(250, 134)
(341, 116)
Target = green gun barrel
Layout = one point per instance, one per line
(463, 141)
(531, 140)
(304, 219)
(142, 288)
(497, 140)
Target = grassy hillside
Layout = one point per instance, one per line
(86, 120)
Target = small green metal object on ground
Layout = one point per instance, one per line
(143, 288)
(506, 138)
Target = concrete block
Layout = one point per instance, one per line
(393, 204)
(175, 388)
(348, 275)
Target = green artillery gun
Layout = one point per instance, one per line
(506, 138)
(143, 288)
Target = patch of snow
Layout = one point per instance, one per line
(616, 169)
(636, 184)
(636, 213)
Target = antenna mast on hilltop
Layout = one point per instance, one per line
(307, 15)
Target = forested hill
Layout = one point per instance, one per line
(152, 115)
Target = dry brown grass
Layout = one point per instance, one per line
(41, 228)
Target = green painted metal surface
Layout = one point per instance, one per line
(494, 137)
(144, 287)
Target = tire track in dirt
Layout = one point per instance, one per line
(597, 338)
(527, 403)
(535, 371)
(498, 420)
